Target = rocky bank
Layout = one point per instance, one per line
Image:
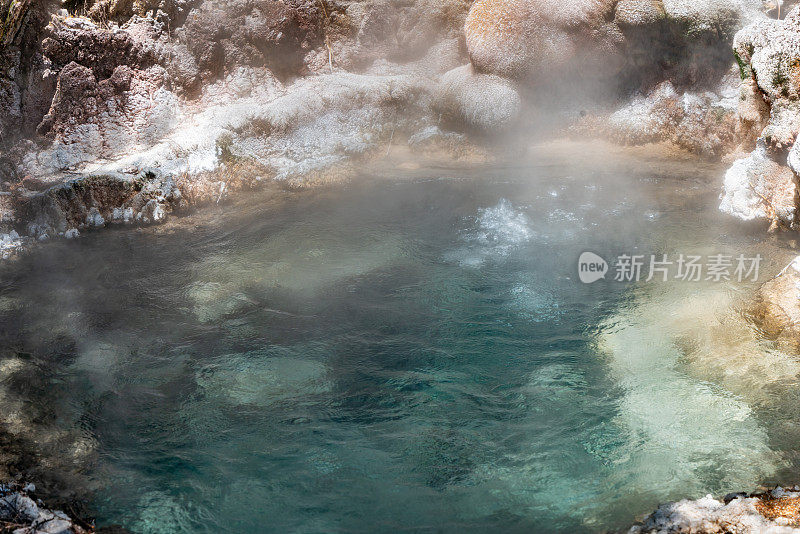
(21, 513)
(770, 512)
(126, 111)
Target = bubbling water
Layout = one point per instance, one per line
(404, 352)
(496, 231)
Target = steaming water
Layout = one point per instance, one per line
(407, 352)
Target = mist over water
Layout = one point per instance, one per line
(412, 351)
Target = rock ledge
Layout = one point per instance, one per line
(763, 512)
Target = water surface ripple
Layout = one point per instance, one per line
(400, 354)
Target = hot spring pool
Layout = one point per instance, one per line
(412, 351)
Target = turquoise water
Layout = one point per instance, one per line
(411, 352)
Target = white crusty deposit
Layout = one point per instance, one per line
(21, 514)
(740, 514)
(763, 185)
(485, 102)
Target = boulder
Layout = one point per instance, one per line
(482, 102)
(639, 12)
(532, 38)
(703, 123)
(721, 17)
(20, 512)
(776, 308)
(538, 40)
(18, 507)
(769, 51)
(497, 35)
(757, 187)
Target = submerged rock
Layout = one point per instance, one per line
(263, 379)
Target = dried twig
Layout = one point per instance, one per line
(389, 147)
(326, 22)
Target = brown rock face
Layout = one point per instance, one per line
(270, 33)
(24, 91)
(98, 49)
(172, 12)
(753, 112)
(79, 97)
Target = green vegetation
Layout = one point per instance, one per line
(779, 79)
(745, 70)
(224, 148)
(6, 11)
